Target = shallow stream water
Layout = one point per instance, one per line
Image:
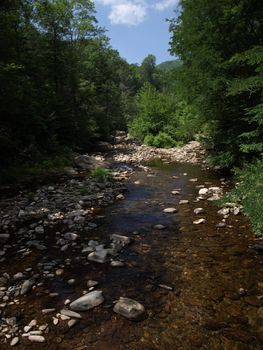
(216, 301)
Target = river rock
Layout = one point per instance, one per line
(175, 192)
(99, 256)
(36, 338)
(159, 227)
(129, 308)
(27, 286)
(92, 283)
(14, 341)
(198, 211)
(199, 221)
(87, 301)
(70, 236)
(117, 263)
(170, 210)
(203, 191)
(184, 201)
(70, 313)
(124, 240)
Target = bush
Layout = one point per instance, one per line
(249, 192)
(163, 140)
(149, 140)
(102, 174)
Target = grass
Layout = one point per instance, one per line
(249, 193)
(101, 174)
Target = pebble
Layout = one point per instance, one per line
(70, 313)
(184, 201)
(199, 221)
(159, 227)
(48, 311)
(71, 281)
(87, 301)
(198, 211)
(117, 263)
(92, 283)
(170, 210)
(14, 341)
(129, 308)
(72, 323)
(36, 338)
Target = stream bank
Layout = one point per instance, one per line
(200, 283)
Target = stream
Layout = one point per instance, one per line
(201, 285)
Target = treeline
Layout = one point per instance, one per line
(220, 44)
(62, 85)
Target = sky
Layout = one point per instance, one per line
(137, 28)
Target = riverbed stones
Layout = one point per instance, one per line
(175, 192)
(129, 308)
(117, 263)
(184, 201)
(203, 191)
(27, 286)
(170, 210)
(159, 227)
(36, 338)
(92, 283)
(124, 240)
(199, 211)
(14, 341)
(71, 314)
(87, 301)
(199, 221)
(99, 256)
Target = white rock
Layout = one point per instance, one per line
(203, 191)
(170, 210)
(198, 211)
(129, 308)
(159, 227)
(98, 256)
(87, 301)
(70, 313)
(14, 341)
(36, 338)
(199, 221)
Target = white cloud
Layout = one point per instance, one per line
(163, 5)
(128, 12)
(134, 12)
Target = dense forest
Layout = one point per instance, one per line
(63, 87)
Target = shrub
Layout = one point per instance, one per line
(163, 140)
(149, 140)
(249, 192)
(102, 174)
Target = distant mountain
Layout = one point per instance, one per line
(169, 65)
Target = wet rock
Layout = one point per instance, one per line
(70, 313)
(175, 192)
(27, 286)
(71, 281)
(14, 341)
(72, 323)
(236, 211)
(159, 227)
(117, 263)
(99, 256)
(129, 308)
(36, 338)
(120, 239)
(87, 301)
(48, 311)
(120, 197)
(198, 211)
(224, 211)
(203, 191)
(39, 229)
(70, 236)
(184, 201)
(199, 221)
(170, 210)
(221, 224)
(164, 286)
(92, 283)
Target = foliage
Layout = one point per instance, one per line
(101, 174)
(249, 192)
(163, 120)
(220, 45)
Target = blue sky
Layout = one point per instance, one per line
(137, 27)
